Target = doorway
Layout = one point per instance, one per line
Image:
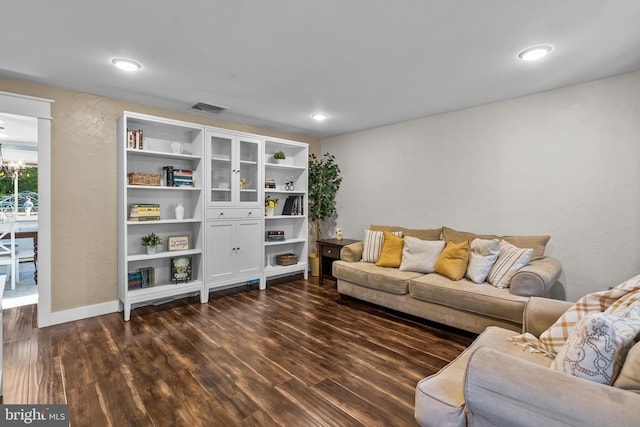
(19, 197)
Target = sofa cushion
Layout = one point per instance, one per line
(510, 260)
(373, 241)
(420, 255)
(440, 397)
(468, 296)
(597, 346)
(483, 255)
(629, 376)
(391, 253)
(423, 234)
(389, 280)
(452, 262)
(537, 243)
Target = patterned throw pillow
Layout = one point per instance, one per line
(510, 260)
(483, 255)
(598, 345)
(391, 253)
(420, 255)
(373, 241)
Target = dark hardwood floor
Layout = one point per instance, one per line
(293, 355)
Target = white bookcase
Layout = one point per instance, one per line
(156, 153)
(293, 169)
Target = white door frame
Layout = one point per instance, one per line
(39, 108)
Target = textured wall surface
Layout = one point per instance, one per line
(564, 163)
(83, 152)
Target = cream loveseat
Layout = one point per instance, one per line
(496, 382)
(461, 303)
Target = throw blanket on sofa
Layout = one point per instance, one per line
(609, 301)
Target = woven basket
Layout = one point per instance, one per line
(137, 178)
(286, 259)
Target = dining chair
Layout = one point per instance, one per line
(8, 250)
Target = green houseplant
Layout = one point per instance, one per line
(324, 183)
(151, 241)
(279, 155)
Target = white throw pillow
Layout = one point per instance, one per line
(598, 345)
(484, 254)
(420, 255)
(510, 260)
(373, 241)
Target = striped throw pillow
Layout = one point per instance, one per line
(510, 260)
(373, 241)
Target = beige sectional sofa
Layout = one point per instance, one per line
(495, 382)
(459, 303)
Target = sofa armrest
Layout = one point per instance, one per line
(536, 278)
(540, 313)
(503, 390)
(352, 252)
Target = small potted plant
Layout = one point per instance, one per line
(269, 205)
(151, 241)
(279, 156)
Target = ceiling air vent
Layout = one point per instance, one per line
(208, 108)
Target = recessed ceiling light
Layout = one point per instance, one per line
(4, 135)
(319, 116)
(126, 64)
(534, 53)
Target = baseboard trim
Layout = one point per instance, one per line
(85, 312)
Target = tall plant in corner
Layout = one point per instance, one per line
(324, 183)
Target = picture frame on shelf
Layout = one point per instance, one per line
(178, 243)
(181, 269)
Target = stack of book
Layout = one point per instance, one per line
(134, 138)
(275, 236)
(182, 178)
(178, 177)
(270, 183)
(143, 278)
(294, 205)
(144, 212)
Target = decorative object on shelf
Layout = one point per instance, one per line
(177, 243)
(288, 184)
(243, 184)
(279, 156)
(324, 183)
(179, 211)
(137, 178)
(338, 233)
(144, 212)
(180, 269)
(151, 241)
(286, 259)
(269, 205)
(177, 147)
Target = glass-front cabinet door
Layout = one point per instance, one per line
(234, 169)
(249, 161)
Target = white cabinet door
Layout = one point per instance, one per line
(220, 250)
(249, 244)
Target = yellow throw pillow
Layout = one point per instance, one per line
(452, 262)
(391, 253)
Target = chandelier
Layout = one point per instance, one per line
(8, 169)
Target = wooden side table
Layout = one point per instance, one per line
(329, 251)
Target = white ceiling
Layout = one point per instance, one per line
(366, 63)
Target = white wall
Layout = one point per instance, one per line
(564, 163)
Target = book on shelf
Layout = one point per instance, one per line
(270, 183)
(180, 269)
(134, 139)
(144, 212)
(275, 236)
(168, 178)
(144, 277)
(294, 205)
